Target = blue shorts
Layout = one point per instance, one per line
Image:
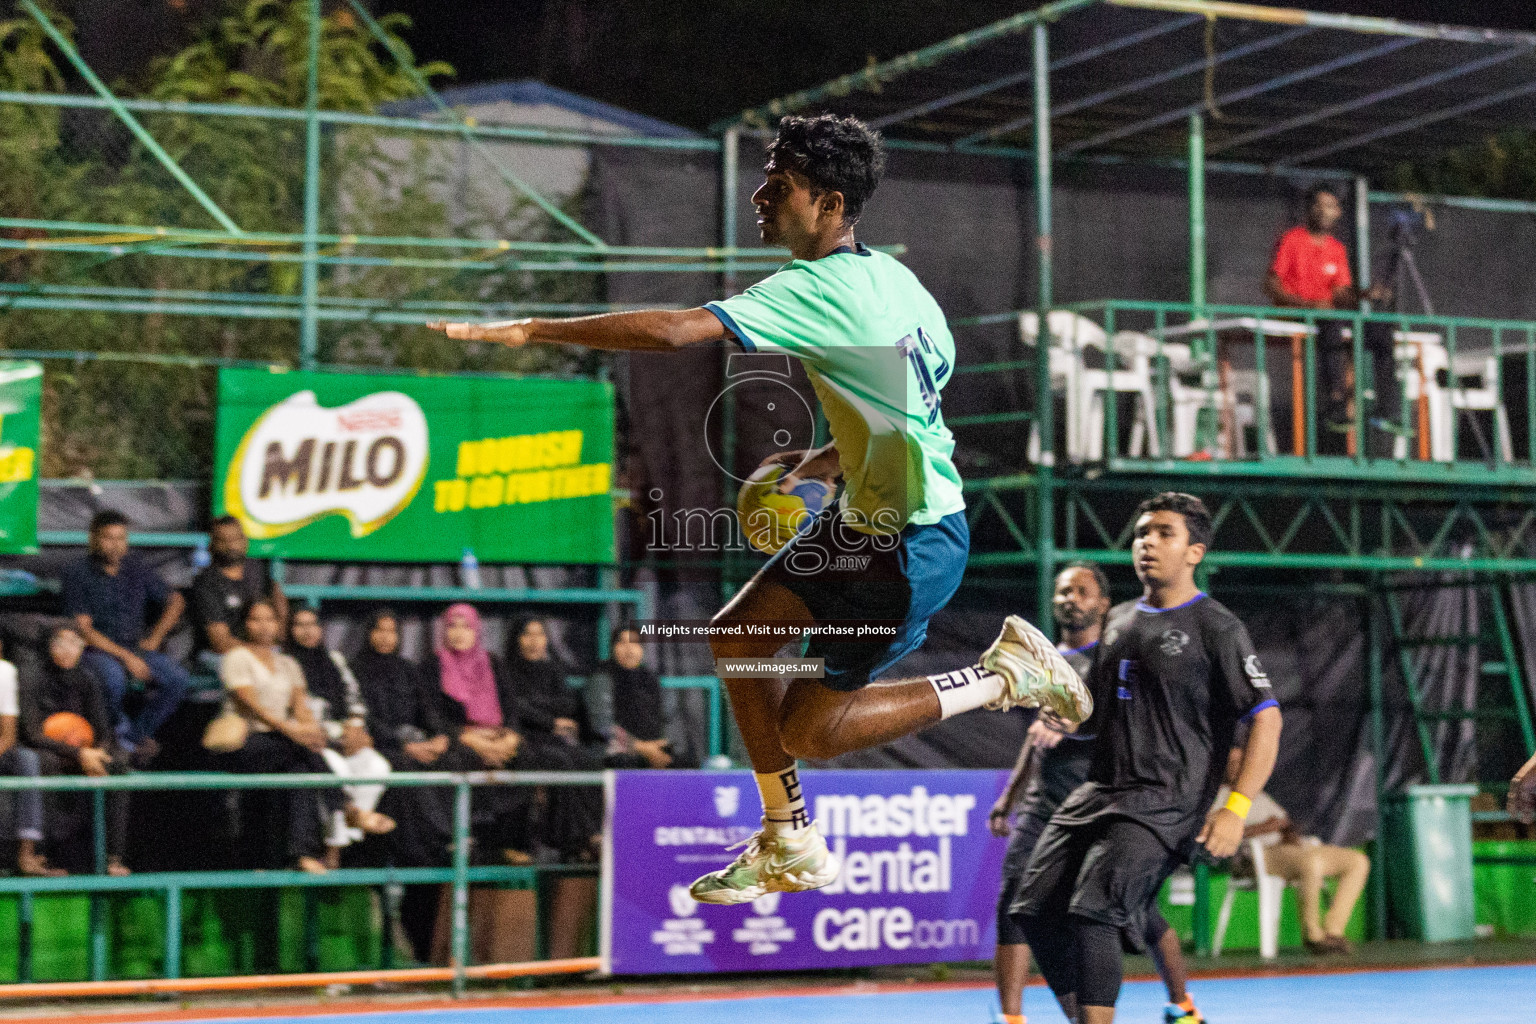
(847, 578)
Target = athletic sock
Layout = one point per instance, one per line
(966, 689)
(1012, 1018)
(783, 801)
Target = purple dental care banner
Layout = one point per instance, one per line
(919, 879)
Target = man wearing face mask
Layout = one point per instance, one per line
(224, 591)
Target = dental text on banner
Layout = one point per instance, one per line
(918, 883)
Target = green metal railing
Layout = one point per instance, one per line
(172, 884)
(1195, 341)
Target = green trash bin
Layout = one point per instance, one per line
(1428, 832)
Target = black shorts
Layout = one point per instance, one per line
(1021, 843)
(1108, 870)
(898, 582)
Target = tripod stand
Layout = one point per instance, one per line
(1403, 269)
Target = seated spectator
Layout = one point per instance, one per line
(1311, 271)
(224, 590)
(623, 700)
(64, 684)
(17, 760)
(478, 708)
(552, 718)
(410, 727)
(337, 704)
(1304, 861)
(108, 593)
(267, 688)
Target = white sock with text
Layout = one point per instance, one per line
(966, 689)
(783, 800)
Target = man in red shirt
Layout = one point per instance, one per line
(1311, 271)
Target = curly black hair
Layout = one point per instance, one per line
(1100, 578)
(837, 154)
(1196, 516)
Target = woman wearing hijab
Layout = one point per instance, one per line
(479, 710)
(624, 703)
(337, 704)
(556, 738)
(406, 721)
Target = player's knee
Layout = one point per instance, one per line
(806, 739)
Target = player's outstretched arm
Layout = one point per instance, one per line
(1223, 831)
(646, 330)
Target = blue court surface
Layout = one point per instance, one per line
(1472, 995)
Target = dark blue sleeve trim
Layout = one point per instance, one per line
(1266, 704)
(731, 325)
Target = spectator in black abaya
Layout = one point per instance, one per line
(412, 724)
(405, 721)
(624, 703)
(64, 684)
(552, 717)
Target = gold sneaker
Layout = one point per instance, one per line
(770, 863)
(1037, 675)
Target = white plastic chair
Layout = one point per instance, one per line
(1475, 388)
(1271, 890)
(1085, 389)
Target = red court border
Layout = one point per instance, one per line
(150, 1015)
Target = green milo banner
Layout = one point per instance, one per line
(21, 402)
(367, 467)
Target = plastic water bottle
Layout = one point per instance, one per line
(469, 570)
(200, 557)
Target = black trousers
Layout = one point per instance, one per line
(70, 816)
(1335, 357)
(283, 825)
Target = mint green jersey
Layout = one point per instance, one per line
(878, 352)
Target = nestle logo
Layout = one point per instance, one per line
(369, 419)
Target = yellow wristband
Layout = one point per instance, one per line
(1239, 805)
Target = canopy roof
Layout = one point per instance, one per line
(1280, 88)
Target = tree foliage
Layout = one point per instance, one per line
(1502, 167)
(126, 420)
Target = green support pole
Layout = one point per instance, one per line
(1197, 210)
(460, 940)
(124, 115)
(730, 180)
(1363, 235)
(309, 338)
(1374, 652)
(99, 906)
(1202, 909)
(1045, 498)
(24, 911)
(172, 968)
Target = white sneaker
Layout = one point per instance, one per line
(1038, 676)
(770, 863)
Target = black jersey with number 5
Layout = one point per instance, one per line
(1169, 689)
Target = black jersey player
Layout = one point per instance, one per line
(1047, 771)
(1173, 676)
